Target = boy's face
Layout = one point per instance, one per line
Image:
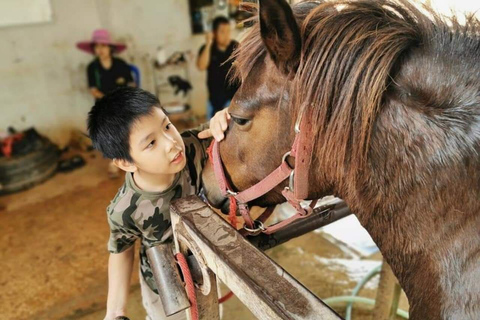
(156, 147)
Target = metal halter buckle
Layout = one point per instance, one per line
(297, 124)
(291, 180)
(285, 156)
(258, 228)
(292, 174)
(231, 193)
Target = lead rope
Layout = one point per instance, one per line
(187, 276)
(190, 287)
(232, 214)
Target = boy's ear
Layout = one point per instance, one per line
(125, 165)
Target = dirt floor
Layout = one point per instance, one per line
(54, 259)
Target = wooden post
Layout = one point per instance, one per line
(262, 285)
(204, 278)
(388, 294)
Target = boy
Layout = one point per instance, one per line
(130, 127)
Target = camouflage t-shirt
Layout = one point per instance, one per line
(136, 214)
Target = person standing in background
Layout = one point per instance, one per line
(106, 72)
(214, 57)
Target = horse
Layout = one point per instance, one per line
(392, 94)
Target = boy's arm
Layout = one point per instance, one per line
(119, 272)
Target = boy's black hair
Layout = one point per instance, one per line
(219, 21)
(111, 118)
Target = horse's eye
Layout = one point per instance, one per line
(240, 121)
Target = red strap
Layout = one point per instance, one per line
(301, 213)
(256, 191)
(245, 212)
(218, 168)
(189, 285)
(225, 297)
(266, 214)
(262, 218)
(294, 150)
(232, 215)
(266, 184)
(303, 147)
(7, 144)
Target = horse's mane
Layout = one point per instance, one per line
(351, 51)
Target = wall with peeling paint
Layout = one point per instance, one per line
(43, 75)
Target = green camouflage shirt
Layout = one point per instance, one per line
(136, 214)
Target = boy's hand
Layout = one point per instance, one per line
(218, 125)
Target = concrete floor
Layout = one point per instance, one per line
(54, 260)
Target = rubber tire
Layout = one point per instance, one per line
(23, 172)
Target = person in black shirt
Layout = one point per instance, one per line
(212, 57)
(105, 73)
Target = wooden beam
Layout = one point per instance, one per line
(388, 295)
(262, 285)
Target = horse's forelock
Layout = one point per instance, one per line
(349, 51)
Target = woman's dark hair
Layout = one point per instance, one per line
(219, 21)
(113, 49)
(111, 118)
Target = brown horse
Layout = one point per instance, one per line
(394, 97)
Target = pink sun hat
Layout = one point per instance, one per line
(100, 36)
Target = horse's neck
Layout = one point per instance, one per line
(425, 218)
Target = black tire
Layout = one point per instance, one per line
(22, 172)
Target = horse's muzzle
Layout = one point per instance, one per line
(212, 191)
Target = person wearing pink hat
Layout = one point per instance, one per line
(106, 72)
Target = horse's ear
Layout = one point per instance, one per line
(281, 34)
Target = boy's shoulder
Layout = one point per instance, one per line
(193, 144)
(123, 205)
(131, 208)
(196, 154)
(132, 215)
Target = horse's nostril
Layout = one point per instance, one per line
(225, 207)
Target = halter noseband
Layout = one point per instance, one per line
(297, 187)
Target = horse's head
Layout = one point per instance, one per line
(340, 64)
(261, 130)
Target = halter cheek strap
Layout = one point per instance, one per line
(263, 187)
(302, 150)
(297, 189)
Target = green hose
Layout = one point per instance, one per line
(358, 287)
(352, 299)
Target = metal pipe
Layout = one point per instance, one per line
(169, 284)
(321, 216)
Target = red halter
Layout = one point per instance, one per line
(297, 189)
